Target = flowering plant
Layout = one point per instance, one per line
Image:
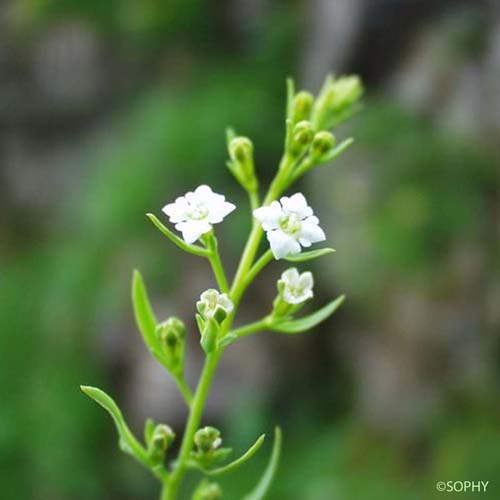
(290, 226)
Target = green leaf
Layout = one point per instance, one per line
(239, 461)
(262, 488)
(338, 150)
(145, 317)
(313, 254)
(194, 249)
(308, 322)
(128, 443)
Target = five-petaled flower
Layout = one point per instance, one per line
(289, 224)
(211, 300)
(297, 287)
(194, 213)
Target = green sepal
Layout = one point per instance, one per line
(307, 322)
(127, 442)
(262, 488)
(194, 249)
(208, 339)
(149, 427)
(200, 322)
(312, 254)
(239, 461)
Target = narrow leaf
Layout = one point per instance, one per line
(338, 150)
(310, 321)
(239, 461)
(128, 443)
(194, 249)
(144, 315)
(313, 254)
(262, 488)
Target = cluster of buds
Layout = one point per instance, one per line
(208, 447)
(171, 335)
(213, 308)
(208, 490)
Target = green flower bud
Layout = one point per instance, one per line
(302, 106)
(302, 136)
(211, 492)
(241, 162)
(161, 440)
(322, 144)
(207, 439)
(171, 334)
(207, 491)
(336, 101)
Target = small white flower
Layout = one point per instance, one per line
(289, 224)
(194, 213)
(211, 300)
(298, 287)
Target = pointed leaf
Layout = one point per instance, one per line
(194, 249)
(262, 488)
(313, 254)
(127, 442)
(310, 321)
(239, 461)
(144, 316)
(338, 150)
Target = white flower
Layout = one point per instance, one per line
(211, 300)
(298, 287)
(194, 213)
(289, 224)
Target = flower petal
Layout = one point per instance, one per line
(310, 231)
(290, 276)
(192, 229)
(219, 210)
(269, 216)
(297, 204)
(282, 244)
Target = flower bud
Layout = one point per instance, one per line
(171, 334)
(302, 135)
(336, 101)
(322, 144)
(207, 439)
(207, 491)
(241, 162)
(161, 440)
(301, 106)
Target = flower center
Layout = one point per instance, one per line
(290, 224)
(198, 211)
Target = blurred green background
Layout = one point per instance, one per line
(110, 109)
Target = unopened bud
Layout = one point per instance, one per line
(161, 440)
(209, 335)
(207, 439)
(301, 107)
(336, 101)
(302, 135)
(211, 492)
(241, 162)
(322, 144)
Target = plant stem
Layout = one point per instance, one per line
(171, 488)
(216, 263)
(251, 327)
(184, 390)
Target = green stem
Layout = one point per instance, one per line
(172, 487)
(215, 262)
(258, 266)
(262, 324)
(184, 390)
